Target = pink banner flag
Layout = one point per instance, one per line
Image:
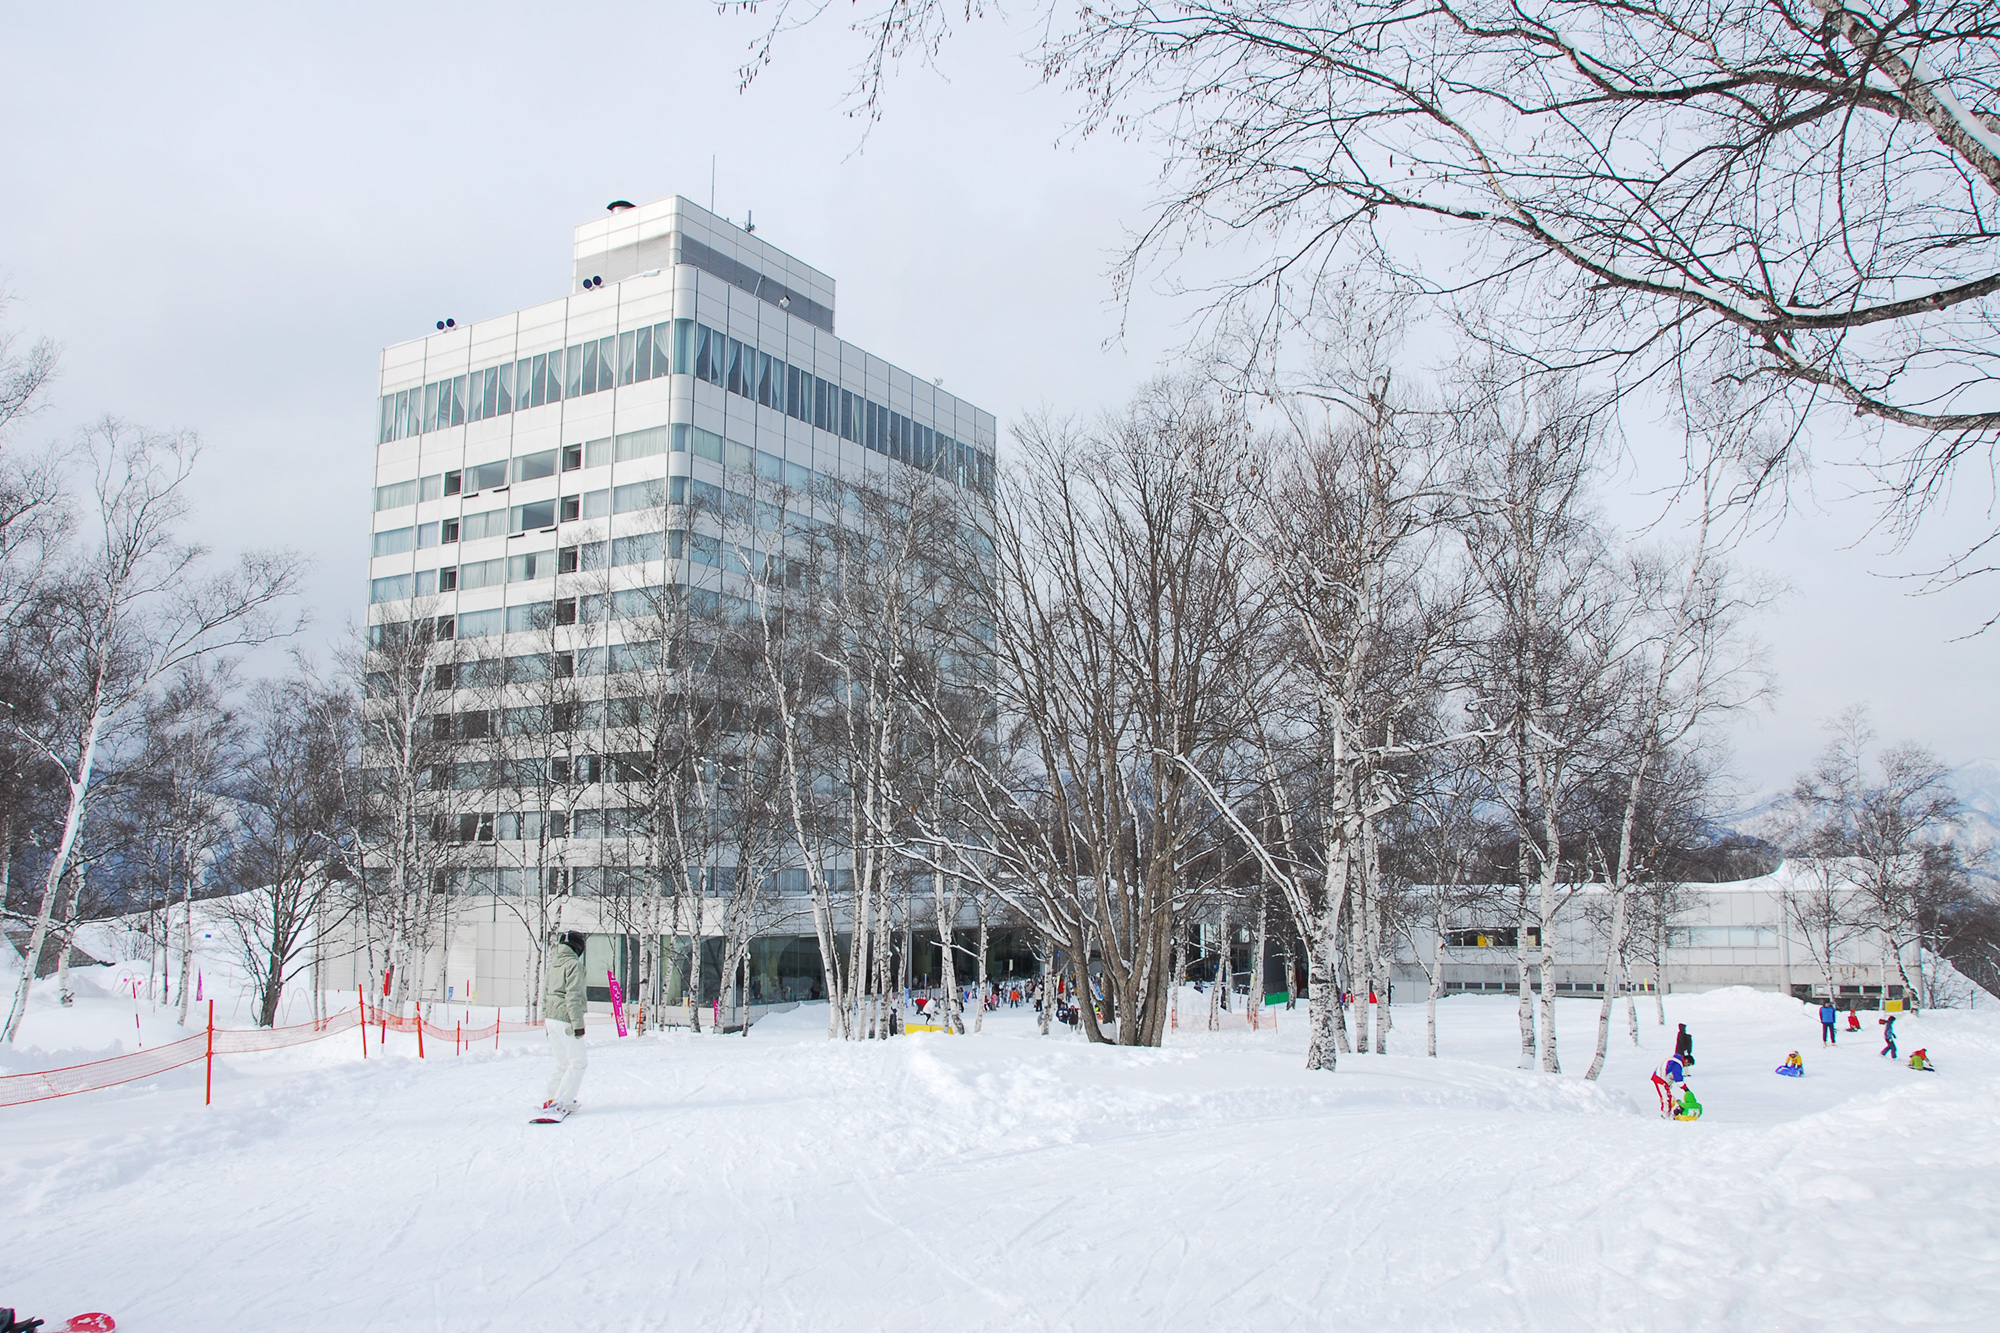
(617, 1000)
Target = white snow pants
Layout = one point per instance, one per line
(571, 1061)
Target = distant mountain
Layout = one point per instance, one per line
(1977, 786)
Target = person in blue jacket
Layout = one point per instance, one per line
(1828, 1016)
(1889, 1036)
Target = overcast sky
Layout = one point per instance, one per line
(223, 214)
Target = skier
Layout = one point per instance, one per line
(1828, 1015)
(1684, 1045)
(1670, 1081)
(1888, 1036)
(562, 1011)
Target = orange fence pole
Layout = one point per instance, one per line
(361, 1001)
(496, 1027)
(420, 1029)
(208, 1084)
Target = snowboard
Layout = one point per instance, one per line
(76, 1323)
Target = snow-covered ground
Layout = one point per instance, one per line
(1010, 1181)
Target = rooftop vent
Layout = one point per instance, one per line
(617, 205)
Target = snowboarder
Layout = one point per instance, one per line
(562, 1010)
(1684, 1045)
(1828, 1016)
(1670, 1081)
(1919, 1059)
(1888, 1036)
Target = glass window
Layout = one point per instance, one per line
(798, 477)
(572, 457)
(531, 566)
(479, 624)
(448, 579)
(819, 388)
(395, 495)
(482, 574)
(704, 549)
(454, 482)
(492, 523)
(431, 487)
(386, 422)
(640, 495)
(532, 616)
(392, 589)
(569, 508)
(430, 406)
(538, 381)
(737, 456)
(770, 466)
(447, 531)
(505, 398)
(427, 535)
(427, 582)
(683, 345)
(770, 381)
(636, 549)
(572, 380)
(596, 504)
(596, 453)
(489, 392)
(395, 541)
(457, 401)
(532, 467)
(705, 355)
(642, 444)
(626, 343)
(540, 514)
(739, 374)
(607, 359)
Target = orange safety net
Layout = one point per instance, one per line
(16, 1089)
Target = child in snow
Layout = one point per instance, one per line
(1920, 1060)
(562, 1011)
(1888, 1036)
(1793, 1066)
(1827, 1016)
(1853, 1021)
(1670, 1081)
(1684, 1045)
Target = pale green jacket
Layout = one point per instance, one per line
(562, 998)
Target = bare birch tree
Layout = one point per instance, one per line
(134, 605)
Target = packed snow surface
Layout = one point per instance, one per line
(1006, 1180)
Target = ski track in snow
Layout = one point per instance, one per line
(1006, 1180)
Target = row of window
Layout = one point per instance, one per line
(742, 369)
(708, 354)
(582, 368)
(637, 549)
(632, 604)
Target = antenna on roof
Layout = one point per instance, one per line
(748, 223)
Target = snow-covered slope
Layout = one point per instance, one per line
(1009, 1181)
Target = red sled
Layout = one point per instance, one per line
(89, 1323)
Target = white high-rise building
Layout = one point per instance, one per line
(690, 359)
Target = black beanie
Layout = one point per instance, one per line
(574, 939)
